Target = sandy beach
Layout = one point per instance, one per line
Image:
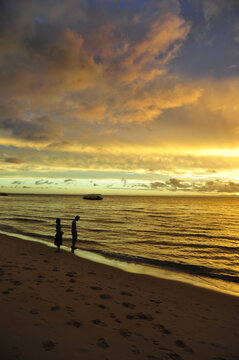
(58, 306)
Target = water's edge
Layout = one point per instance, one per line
(135, 268)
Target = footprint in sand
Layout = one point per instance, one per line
(101, 342)
(125, 293)
(40, 276)
(55, 308)
(16, 282)
(48, 345)
(113, 316)
(5, 292)
(101, 306)
(70, 309)
(95, 287)
(105, 296)
(71, 273)
(175, 356)
(135, 350)
(75, 323)
(98, 322)
(182, 345)
(155, 342)
(128, 305)
(162, 329)
(69, 290)
(141, 316)
(125, 333)
(156, 301)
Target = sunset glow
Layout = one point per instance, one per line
(129, 97)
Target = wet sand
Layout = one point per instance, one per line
(58, 306)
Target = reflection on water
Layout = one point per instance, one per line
(192, 237)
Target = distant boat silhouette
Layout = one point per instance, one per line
(93, 197)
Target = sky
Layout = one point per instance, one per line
(127, 97)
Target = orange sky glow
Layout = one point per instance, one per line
(119, 97)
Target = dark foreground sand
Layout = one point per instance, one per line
(58, 306)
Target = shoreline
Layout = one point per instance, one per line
(141, 269)
(55, 305)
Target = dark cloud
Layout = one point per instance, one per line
(172, 184)
(157, 185)
(14, 160)
(217, 9)
(139, 186)
(208, 187)
(89, 84)
(40, 129)
(175, 183)
(214, 32)
(43, 182)
(217, 186)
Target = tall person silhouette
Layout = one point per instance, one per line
(74, 233)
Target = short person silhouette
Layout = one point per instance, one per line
(59, 233)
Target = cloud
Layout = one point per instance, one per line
(208, 187)
(43, 182)
(213, 9)
(76, 75)
(16, 182)
(38, 129)
(157, 185)
(218, 187)
(175, 183)
(14, 160)
(119, 86)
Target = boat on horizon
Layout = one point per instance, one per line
(92, 197)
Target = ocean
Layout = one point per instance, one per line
(190, 239)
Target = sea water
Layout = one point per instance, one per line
(191, 239)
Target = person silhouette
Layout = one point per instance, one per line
(74, 233)
(59, 233)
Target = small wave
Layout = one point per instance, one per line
(97, 221)
(198, 270)
(187, 234)
(91, 242)
(184, 245)
(158, 216)
(25, 220)
(131, 210)
(96, 230)
(37, 235)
